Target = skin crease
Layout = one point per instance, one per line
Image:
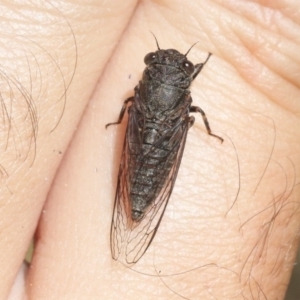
(232, 220)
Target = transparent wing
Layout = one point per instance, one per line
(130, 239)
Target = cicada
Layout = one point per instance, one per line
(158, 121)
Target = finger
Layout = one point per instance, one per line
(51, 58)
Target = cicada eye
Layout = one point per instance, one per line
(149, 58)
(188, 67)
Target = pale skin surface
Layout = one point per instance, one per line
(62, 186)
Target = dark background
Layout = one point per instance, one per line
(293, 292)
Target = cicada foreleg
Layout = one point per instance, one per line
(199, 67)
(122, 112)
(199, 110)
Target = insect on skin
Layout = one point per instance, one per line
(158, 122)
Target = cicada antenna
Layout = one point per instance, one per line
(155, 40)
(190, 49)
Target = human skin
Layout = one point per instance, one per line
(231, 227)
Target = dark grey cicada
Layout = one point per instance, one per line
(159, 119)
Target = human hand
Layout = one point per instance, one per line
(231, 225)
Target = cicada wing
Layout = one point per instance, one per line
(121, 219)
(130, 239)
(121, 214)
